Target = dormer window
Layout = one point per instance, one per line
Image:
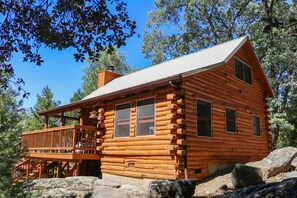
(243, 72)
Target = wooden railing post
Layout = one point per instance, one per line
(60, 140)
(52, 142)
(74, 139)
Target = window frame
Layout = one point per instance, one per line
(115, 120)
(236, 130)
(197, 132)
(260, 135)
(136, 117)
(252, 79)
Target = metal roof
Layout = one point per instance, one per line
(183, 66)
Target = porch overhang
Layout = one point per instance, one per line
(91, 102)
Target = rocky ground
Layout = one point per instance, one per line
(276, 168)
(278, 179)
(82, 187)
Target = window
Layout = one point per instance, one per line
(230, 120)
(203, 118)
(122, 120)
(145, 121)
(256, 126)
(242, 71)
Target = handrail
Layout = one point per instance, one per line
(75, 139)
(58, 129)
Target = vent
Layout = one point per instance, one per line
(198, 171)
(131, 165)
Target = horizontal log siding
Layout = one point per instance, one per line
(141, 157)
(223, 89)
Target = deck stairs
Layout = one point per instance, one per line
(32, 169)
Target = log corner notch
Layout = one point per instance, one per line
(177, 127)
(270, 141)
(100, 129)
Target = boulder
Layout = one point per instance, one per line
(243, 176)
(294, 163)
(172, 188)
(276, 162)
(81, 187)
(285, 188)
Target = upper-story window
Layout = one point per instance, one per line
(145, 121)
(203, 118)
(256, 126)
(122, 120)
(243, 72)
(230, 120)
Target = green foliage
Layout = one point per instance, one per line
(87, 26)
(10, 115)
(31, 120)
(272, 26)
(193, 25)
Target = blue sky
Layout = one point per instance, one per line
(60, 71)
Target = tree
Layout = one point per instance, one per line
(85, 25)
(194, 25)
(31, 120)
(10, 111)
(197, 24)
(90, 77)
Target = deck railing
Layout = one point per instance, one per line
(74, 139)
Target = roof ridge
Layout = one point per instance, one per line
(183, 56)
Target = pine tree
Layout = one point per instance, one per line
(31, 120)
(10, 130)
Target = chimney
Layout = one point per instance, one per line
(106, 76)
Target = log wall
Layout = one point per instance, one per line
(224, 90)
(140, 156)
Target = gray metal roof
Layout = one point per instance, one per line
(186, 65)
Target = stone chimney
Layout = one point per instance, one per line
(106, 76)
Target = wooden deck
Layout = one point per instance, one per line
(75, 142)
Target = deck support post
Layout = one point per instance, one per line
(46, 122)
(62, 122)
(27, 169)
(40, 169)
(59, 169)
(81, 121)
(77, 169)
(44, 170)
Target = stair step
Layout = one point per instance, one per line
(31, 174)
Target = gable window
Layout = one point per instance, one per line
(243, 72)
(145, 121)
(230, 120)
(203, 118)
(122, 120)
(256, 126)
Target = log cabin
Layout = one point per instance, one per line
(183, 118)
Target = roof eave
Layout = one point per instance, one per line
(78, 104)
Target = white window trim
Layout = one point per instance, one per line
(136, 118)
